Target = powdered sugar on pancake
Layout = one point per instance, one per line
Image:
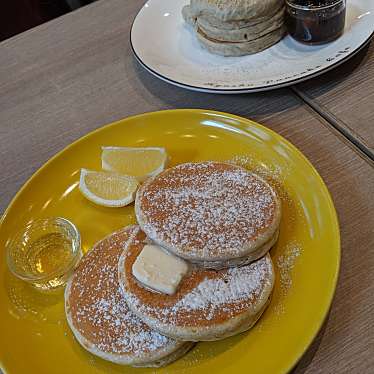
(237, 286)
(219, 295)
(98, 310)
(207, 210)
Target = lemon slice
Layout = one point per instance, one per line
(141, 163)
(107, 189)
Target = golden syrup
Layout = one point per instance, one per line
(48, 257)
(49, 253)
(45, 252)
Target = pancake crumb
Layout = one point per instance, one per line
(285, 263)
(279, 309)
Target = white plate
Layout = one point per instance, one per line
(167, 48)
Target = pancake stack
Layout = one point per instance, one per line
(236, 27)
(221, 220)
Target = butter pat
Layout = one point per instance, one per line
(159, 270)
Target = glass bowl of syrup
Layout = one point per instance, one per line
(45, 252)
(315, 21)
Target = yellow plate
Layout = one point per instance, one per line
(34, 337)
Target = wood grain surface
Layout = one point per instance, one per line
(75, 74)
(347, 93)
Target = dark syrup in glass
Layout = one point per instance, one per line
(315, 21)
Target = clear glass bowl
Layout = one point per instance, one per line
(315, 21)
(45, 252)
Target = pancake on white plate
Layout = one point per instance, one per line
(236, 27)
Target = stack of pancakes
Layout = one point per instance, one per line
(236, 27)
(219, 218)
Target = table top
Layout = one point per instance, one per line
(346, 95)
(76, 73)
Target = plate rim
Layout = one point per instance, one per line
(255, 89)
(324, 312)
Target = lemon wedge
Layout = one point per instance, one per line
(141, 163)
(107, 189)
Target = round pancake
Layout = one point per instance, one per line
(209, 213)
(243, 34)
(237, 49)
(100, 318)
(212, 21)
(209, 21)
(235, 10)
(208, 305)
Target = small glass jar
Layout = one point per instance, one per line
(315, 21)
(45, 252)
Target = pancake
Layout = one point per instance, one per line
(234, 31)
(208, 305)
(235, 10)
(236, 27)
(236, 49)
(100, 318)
(242, 34)
(207, 20)
(210, 213)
